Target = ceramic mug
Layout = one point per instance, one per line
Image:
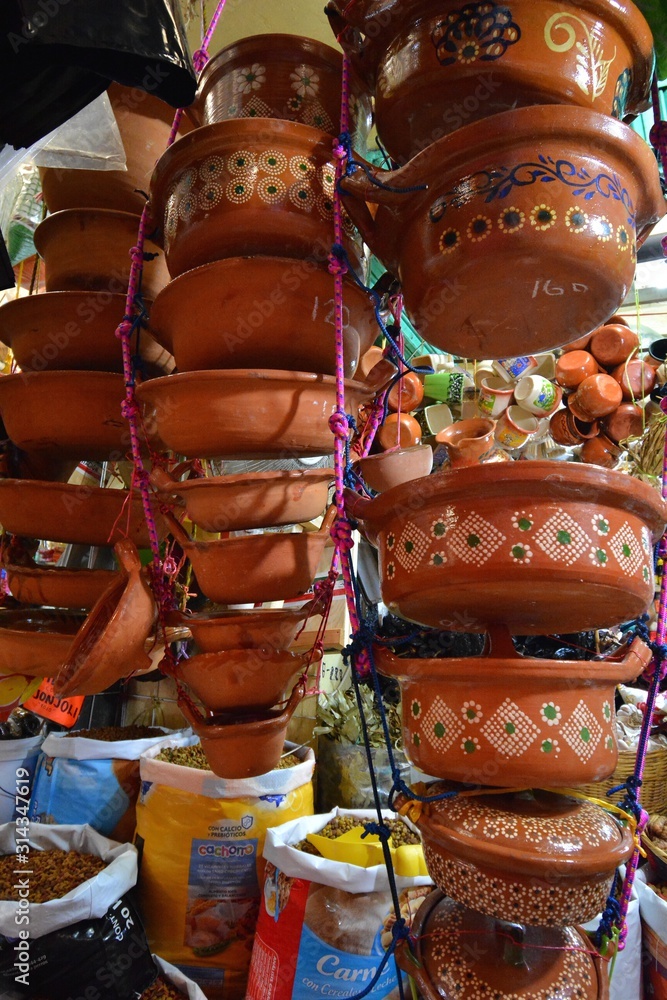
(572, 368)
(481, 374)
(597, 396)
(537, 395)
(612, 344)
(514, 427)
(438, 417)
(512, 369)
(495, 396)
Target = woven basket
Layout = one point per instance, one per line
(653, 792)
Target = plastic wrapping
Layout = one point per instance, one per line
(90, 140)
(343, 779)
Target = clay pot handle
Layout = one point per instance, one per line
(405, 962)
(356, 505)
(295, 698)
(349, 36)
(316, 655)
(638, 656)
(186, 709)
(127, 555)
(177, 529)
(162, 481)
(185, 466)
(380, 375)
(329, 519)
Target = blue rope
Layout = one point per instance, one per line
(353, 164)
(610, 915)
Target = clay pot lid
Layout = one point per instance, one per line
(525, 963)
(526, 832)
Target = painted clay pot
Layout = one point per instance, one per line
(529, 857)
(561, 430)
(600, 451)
(35, 643)
(538, 546)
(626, 421)
(391, 468)
(246, 413)
(523, 962)
(511, 721)
(449, 216)
(57, 587)
(110, 644)
(144, 123)
(637, 379)
(85, 515)
(254, 569)
(407, 394)
(468, 442)
(64, 331)
(243, 746)
(435, 66)
(206, 319)
(281, 76)
(246, 188)
(255, 500)
(242, 680)
(399, 430)
(89, 250)
(595, 397)
(573, 367)
(274, 628)
(612, 344)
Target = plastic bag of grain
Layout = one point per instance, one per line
(86, 938)
(200, 839)
(92, 776)
(324, 924)
(18, 760)
(170, 974)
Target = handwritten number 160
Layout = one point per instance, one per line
(549, 289)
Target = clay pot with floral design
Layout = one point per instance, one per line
(556, 197)
(245, 187)
(510, 720)
(435, 65)
(538, 546)
(281, 76)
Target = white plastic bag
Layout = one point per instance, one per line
(15, 754)
(177, 979)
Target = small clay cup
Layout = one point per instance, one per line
(595, 397)
(515, 427)
(407, 394)
(572, 368)
(581, 344)
(612, 344)
(409, 434)
(626, 421)
(600, 451)
(636, 378)
(568, 430)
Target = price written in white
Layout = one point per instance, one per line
(547, 288)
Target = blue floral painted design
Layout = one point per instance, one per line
(478, 31)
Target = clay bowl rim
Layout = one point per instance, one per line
(225, 546)
(203, 619)
(178, 379)
(273, 40)
(268, 722)
(43, 303)
(265, 654)
(275, 475)
(11, 618)
(55, 221)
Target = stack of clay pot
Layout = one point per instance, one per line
(243, 207)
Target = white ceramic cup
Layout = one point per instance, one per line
(438, 417)
(515, 426)
(538, 395)
(495, 395)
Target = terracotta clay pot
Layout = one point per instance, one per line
(561, 430)
(255, 500)
(573, 367)
(636, 378)
(89, 249)
(62, 512)
(245, 188)
(242, 680)
(245, 413)
(274, 628)
(400, 430)
(437, 65)
(600, 451)
(407, 394)
(391, 468)
(63, 331)
(468, 442)
(612, 344)
(110, 644)
(510, 720)
(144, 123)
(528, 857)
(538, 546)
(82, 419)
(281, 76)
(254, 569)
(35, 643)
(206, 319)
(580, 344)
(507, 959)
(57, 587)
(243, 746)
(446, 218)
(626, 421)
(597, 396)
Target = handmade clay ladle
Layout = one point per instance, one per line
(274, 628)
(35, 643)
(400, 465)
(110, 644)
(468, 442)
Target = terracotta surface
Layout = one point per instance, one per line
(509, 720)
(636, 378)
(56, 587)
(537, 546)
(435, 66)
(110, 644)
(529, 857)
(613, 344)
(600, 451)
(281, 76)
(626, 421)
(233, 312)
(247, 187)
(242, 680)
(573, 367)
(61, 512)
(144, 123)
(35, 643)
(75, 414)
(253, 569)
(507, 960)
(581, 343)
(249, 413)
(468, 442)
(240, 746)
(89, 249)
(60, 331)
(568, 430)
(270, 627)
(407, 394)
(482, 213)
(254, 500)
(597, 396)
(399, 430)
(391, 468)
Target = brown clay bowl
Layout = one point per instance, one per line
(529, 857)
(627, 421)
(243, 680)
(88, 249)
(255, 500)
(392, 468)
(110, 644)
(62, 512)
(62, 331)
(507, 720)
(435, 66)
(245, 413)
(447, 217)
(274, 628)
(57, 587)
(300, 81)
(247, 187)
(516, 961)
(208, 319)
(35, 643)
(243, 746)
(537, 546)
(75, 414)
